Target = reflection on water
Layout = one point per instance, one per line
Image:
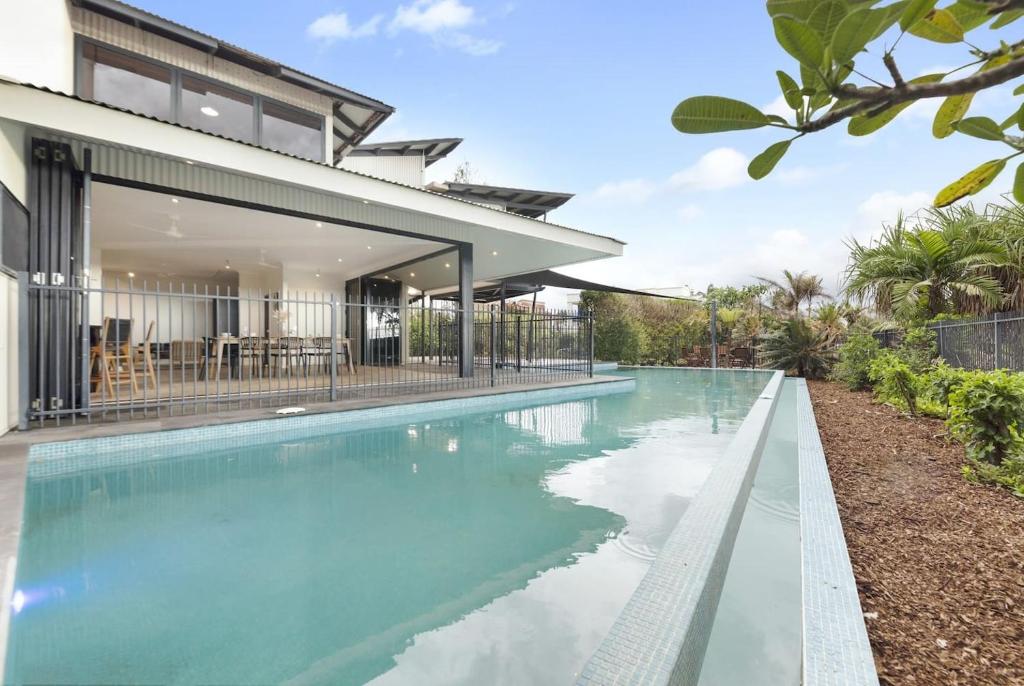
(495, 547)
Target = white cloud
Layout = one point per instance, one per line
(716, 170)
(444, 21)
(630, 190)
(779, 107)
(331, 27)
(687, 213)
(432, 16)
(472, 45)
(882, 208)
(795, 176)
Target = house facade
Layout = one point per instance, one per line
(179, 213)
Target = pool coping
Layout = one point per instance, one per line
(836, 649)
(15, 448)
(661, 635)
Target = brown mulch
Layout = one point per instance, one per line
(939, 561)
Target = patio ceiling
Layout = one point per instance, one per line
(181, 237)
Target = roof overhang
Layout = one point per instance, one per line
(149, 153)
(529, 203)
(517, 285)
(431, 149)
(355, 115)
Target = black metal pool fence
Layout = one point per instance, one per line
(991, 342)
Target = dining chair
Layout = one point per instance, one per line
(286, 353)
(114, 353)
(144, 356)
(252, 352)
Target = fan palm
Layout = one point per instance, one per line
(943, 262)
(795, 289)
(797, 347)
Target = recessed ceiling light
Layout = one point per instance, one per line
(209, 111)
(131, 275)
(494, 252)
(339, 259)
(227, 264)
(412, 273)
(319, 225)
(366, 202)
(447, 265)
(189, 162)
(174, 200)
(369, 247)
(317, 273)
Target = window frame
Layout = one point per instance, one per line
(177, 75)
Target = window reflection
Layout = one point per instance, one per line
(216, 109)
(292, 131)
(126, 82)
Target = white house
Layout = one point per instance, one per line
(153, 174)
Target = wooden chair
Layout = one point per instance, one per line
(144, 355)
(252, 351)
(285, 353)
(113, 351)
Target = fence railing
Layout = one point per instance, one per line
(136, 350)
(992, 342)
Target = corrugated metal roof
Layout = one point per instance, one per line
(431, 149)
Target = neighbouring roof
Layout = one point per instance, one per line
(431, 149)
(534, 282)
(528, 203)
(355, 115)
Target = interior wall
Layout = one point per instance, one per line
(253, 287)
(37, 43)
(177, 317)
(306, 310)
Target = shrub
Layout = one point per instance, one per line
(940, 381)
(855, 357)
(918, 349)
(986, 413)
(798, 348)
(1009, 474)
(894, 381)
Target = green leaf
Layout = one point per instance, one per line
(1018, 184)
(826, 17)
(1007, 18)
(955, 107)
(1019, 89)
(801, 9)
(969, 14)
(800, 41)
(863, 125)
(854, 32)
(1016, 118)
(980, 127)
(713, 114)
(939, 26)
(915, 12)
(970, 183)
(790, 90)
(763, 164)
(777, 119)
(890, 14)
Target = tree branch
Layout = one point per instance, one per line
(890, 64)
(872, 98)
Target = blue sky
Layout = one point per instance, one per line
(576, 96)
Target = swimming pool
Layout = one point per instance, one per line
(488, 547)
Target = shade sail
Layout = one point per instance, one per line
(533, 282)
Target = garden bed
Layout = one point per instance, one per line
(939, 561)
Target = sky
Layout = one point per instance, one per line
(576, 96)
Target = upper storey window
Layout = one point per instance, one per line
(141, 85)
(125, 81)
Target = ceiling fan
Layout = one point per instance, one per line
(263, 261)
(174, 231)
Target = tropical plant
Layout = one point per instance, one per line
(795, 289)
(798, 348)
(829, 319)
(834, 43)
(855, 358)
(919, 272)
(918, 349)
(894, 381)
(987, 414)
(941, 381)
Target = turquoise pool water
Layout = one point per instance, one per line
(488, 548)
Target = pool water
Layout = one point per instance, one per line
(495, 547)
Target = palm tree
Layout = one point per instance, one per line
(943, 262)
(797, 347)
(794, 289)
(1008, 230)
(830, 320)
